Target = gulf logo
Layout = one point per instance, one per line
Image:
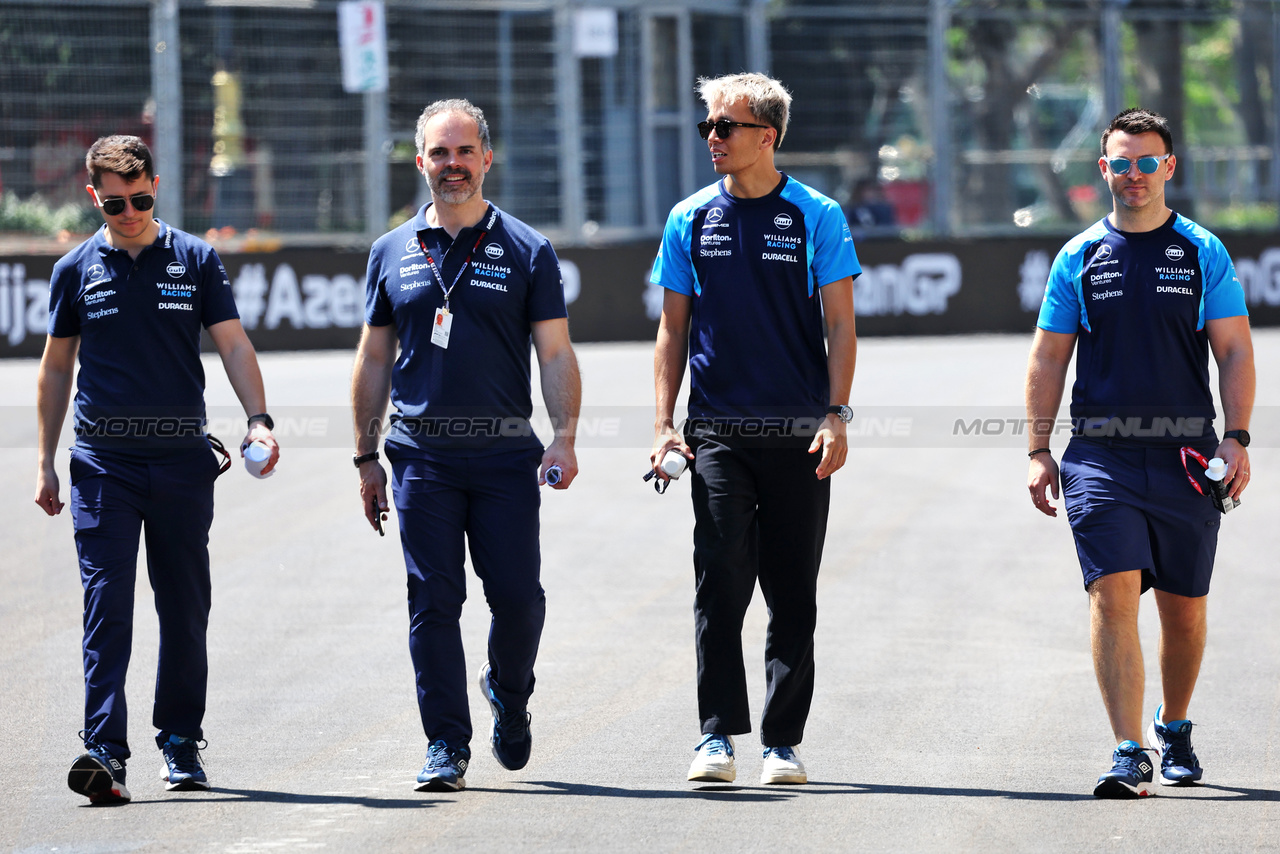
(494, 251)
(1174, 253)
(176, 270)
(782, 221)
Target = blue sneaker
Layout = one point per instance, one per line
(1132, 773)
(444, 769)
(182, 771)
(510, 738)
(98, 775)
(713, 763)
(1178, 763)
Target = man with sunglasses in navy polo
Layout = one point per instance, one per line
(756, 268)
(1142, 297)
(131, 302)
(454, 299)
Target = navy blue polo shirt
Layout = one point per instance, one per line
(476, 393)
(1138, 302)
(753, 268)
(140, 389)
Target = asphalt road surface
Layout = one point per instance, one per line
(956, 708)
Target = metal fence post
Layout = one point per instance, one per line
(569, 122)
(940, 116)
(1112, 58)
(758, 36)
(1275, 102)
(166, 90)
(377, 184)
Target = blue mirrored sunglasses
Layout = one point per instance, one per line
(1146, 165)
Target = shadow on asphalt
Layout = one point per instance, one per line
(726, 793)
(268, 797)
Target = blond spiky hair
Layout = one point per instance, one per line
(768, 100)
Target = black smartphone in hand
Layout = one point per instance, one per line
(377, 516)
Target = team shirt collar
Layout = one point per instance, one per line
(164, 238)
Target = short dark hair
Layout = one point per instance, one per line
(1136, 120)
(126, 156)
(452, 105)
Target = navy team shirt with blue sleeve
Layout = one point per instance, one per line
(140, 390)
(1138, 302)
(475, 394)
(753, 268)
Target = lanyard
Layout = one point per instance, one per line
(1198, 457)
(435, 271)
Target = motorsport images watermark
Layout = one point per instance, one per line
(632, 426)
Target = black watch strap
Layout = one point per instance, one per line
(360, 459)
(1241, 436)
(264, 418)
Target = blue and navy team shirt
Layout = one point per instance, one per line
(140, 390)
(753, 268)
(476, 393)
(1138, 302)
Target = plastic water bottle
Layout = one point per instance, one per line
(1222, 499)
(673, 464)
(255, 457)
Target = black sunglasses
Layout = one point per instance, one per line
(723, 127)
(115, 206)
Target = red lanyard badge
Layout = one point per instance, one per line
(1198, 457)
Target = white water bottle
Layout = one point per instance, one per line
(673, 464)
(255, 457)
(1222, 499)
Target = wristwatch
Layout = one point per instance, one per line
(845, 413)
(264, 418)
(360, 459)
(1241, 436)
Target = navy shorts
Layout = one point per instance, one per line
(1132, 508)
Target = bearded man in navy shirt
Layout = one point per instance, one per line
(756, 267)
(1142, 297)
(131, 302)
(453, 299)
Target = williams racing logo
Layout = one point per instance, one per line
(781, 247)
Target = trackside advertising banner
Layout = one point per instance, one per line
(305, 299)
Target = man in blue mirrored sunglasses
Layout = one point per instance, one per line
(1142, 298)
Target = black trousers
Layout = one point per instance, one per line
(760, 514)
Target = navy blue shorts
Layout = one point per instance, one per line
(1132, 508)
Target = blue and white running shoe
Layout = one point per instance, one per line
(444, 769)
(182, 770)
(1132, 773)
(1178, 763)
(98, 775)
(510, 738)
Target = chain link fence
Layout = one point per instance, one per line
(925, 117)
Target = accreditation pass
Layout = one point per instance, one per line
(440, 329)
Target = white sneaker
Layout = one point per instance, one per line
(781, 765)
(714, 760)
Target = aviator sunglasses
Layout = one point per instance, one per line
(115, 206)
(723, 127)
(1146, 165)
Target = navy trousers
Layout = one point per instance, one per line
(760, 514)
(492, 501)
(113, 501)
